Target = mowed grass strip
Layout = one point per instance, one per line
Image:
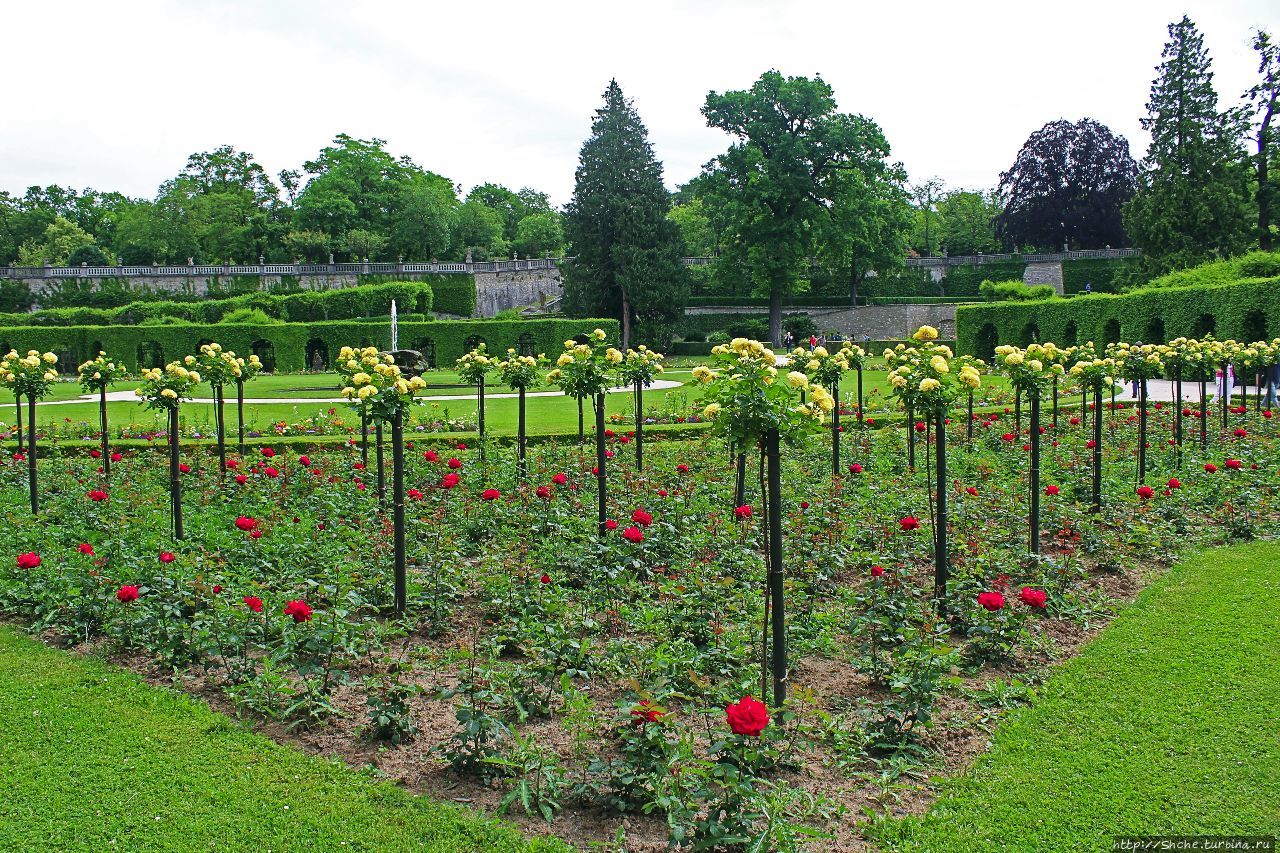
(1167, 723)
(91, 758)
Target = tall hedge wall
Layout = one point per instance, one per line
(1244, 310)
(292, 346)
(1099, 272)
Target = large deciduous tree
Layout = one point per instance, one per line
(795, 160)
(1068, 185)
(627, 253)
(967, 222)
(1193, 196)
(1261, 99)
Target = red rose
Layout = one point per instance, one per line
(450, 480)
(921, 426)
(1174, 483)
(241, 479)
(544, 492)
(1051, 490)
(877, 571)
(560, 479)
(127, 593)
(359, 466)
(95, 454)
(116, 457)
(642, 518)
(256, 534)
(1008, 436)
(299, 610)
(268, 452)
(415, 495)
(633, 535)
(972, 490)
(1033, 597)
(608, 454)
(645, 713)
(490, 495)
(1241, 432)
(545, 579)
(431, 456)
(1146, 492)
(97, 495)
(1091, 444)
(682, 468)
(662, 493)
(909, 523)
(804, 504)
(1233, 464)
(454, 463)
(167, 557)
(271, 472)
(232, 464)
(992, 601)
(1266, 413)
(855, 468)
(217, 588)
(304, 461)
(747, 717)
(246, 523)
(1074, 421)
(461, 445)
(742, 512)
(184, 468)
(610, 524)
(253, 603)
(1211, 468)
(29, 560)
(608, 433)
(85, 548)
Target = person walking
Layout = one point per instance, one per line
(1273, 381)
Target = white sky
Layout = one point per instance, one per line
(116, 95)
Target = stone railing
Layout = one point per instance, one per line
(1046, 257)
(193, 270)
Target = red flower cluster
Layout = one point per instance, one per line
(544, 492)
(1211, 468)
(1233, 464)
(97, 495)
(682, 468)
(268, 452)
(304, 461)
(855, 468)
(645, 713)
(127, 593)
(560, 479)
(246, 523)
(642, 518)
(1146, 492)
(85, 548)
(454, 463)
(298, 610)
(1033, 597)
(490, 495)
(742, 512)
(29, 560)
(431, 456)
(1051, 490)
(992, 601)
(253, 603)
(633, 535)
(909, 523)
(167, 557)
(877, 571)
(450, 480)
(747, 717)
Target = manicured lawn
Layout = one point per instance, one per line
(93, 759)
(1166, 724)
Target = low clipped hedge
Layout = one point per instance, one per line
(455, 295)
(370, 300)
(290, 347)
(1245, 310)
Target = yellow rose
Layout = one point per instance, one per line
(929, 384)
(926, 333)
(599, 334)
(939, 364)
(797, 379)
(711, 411)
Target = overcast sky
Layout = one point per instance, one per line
(116, 95)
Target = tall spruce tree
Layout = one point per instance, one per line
(1261, 100)
(626, 252)
(1193, 194)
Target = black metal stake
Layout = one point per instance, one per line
(776, 575)
(397, 513)
(175, 475)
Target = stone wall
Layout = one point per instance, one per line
(878, 322)
(501, 291)
(1047, 272)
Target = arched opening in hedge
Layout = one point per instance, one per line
(472, 342)
(1030, 335)
(581, 338)
(1155, 332)
(67, 363)
(527, 345)
(317, 355)
(1204, 325)
(150, 354)
(266, 353)
(986, 342)
(94, 348)
(1111, 332)
(1070, 334)
(427, 347)
(1255, 326)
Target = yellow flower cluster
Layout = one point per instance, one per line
(168, 386)
(29, 375)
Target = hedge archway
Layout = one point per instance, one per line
(1070, 334)
(150, 354)
(266, 353)
(527, 344)
(317, 355)
(1204, 325)
(1255, 326)
(987, 342)
(1029, 335)
(427, 347)
(1111, 332)
(472, 342)
(1155, 332)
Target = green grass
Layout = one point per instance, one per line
(91, 758)
(1165, 724)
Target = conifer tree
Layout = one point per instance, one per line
(1193, 195)
(626, 252)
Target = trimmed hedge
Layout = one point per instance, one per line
(365, 301)
(1252, 265)
(291, 347)
(1099, 272)
(455, 295)
(966, 279)
(1245, 310)
(763, 302)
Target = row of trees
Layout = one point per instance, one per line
(354, 200)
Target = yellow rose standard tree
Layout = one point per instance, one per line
(1094, 374)
(825, 368)
(930, 378)
(519, 372)
(164, 389)
(749, 405)
(472, 369)
(218, 368)
(1138, 363)
(1030, 375)
(95, 375)
(7, 379)
(244, 371)
(589, 370)
(382, 394)
(638, 369)
(30, 376)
